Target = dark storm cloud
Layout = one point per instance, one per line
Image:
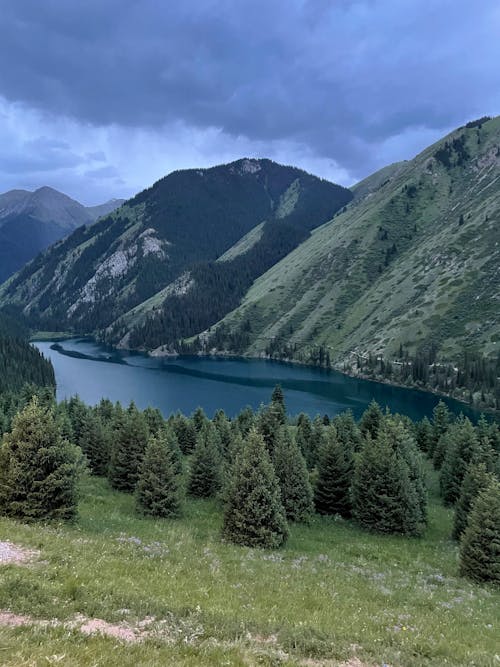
(339, 77)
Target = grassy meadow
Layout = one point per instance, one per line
(333, 595)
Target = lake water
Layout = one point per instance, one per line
(170, 384)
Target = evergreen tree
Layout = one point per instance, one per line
(154, 420)
(158, 490)
(441, 419)
(462, 449)
(348, 431)
(199, 419)
(245, 420)
(95, 443)
(130, 439)
(335, 474)
(480, 545)
(223, 426)
(291, 471)
(278, 404)
(38, 469)
(269, 422)
(441, 447)
(254, 515)
(405, 447)
(206, 465)
(77, 412)
(303, 437)
(476, 480)
(371, 419)
(167, 432)
(317, 440)
(185, 432)
(384, 500)
(424, 435)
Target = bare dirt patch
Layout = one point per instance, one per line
(12, 553)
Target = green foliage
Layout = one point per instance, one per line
(94, 440)
(476, 480)
(441, 419)
(254, 515)
(371, 420)
(480, 545)
(335, 474)
(21, 363)
(462, 447)
(384, 499)
(130, 438)
(185, 432)
(293, 477)
(303, 437)
(205, 478)
(38, 469)
(158, 491)
(424, 435)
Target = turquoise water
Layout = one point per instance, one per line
(94, 371)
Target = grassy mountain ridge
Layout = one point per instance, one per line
(184, 222)
(414, 262)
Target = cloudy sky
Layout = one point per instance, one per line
(100, 98)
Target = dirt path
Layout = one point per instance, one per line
(12, 553)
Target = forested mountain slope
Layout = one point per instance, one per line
(31, 221)
(127, 272)
(409, 267)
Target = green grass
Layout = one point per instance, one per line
(332, 593)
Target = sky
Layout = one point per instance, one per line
(101, 98)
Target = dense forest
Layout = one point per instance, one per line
(20, 362)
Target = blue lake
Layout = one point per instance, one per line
(184, 383)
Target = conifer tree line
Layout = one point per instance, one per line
(263, 470)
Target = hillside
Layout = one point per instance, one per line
(412, 263)
(31, 221)
(162, 246)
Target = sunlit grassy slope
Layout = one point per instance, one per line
(333, 593)
(415, 261)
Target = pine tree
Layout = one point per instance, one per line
(384, 500)
(441, 419)
(130, 439)
(185, 432)
(291, 471)
(303, 437)
(424, 435)
(206, 465)
(199, 419)
(95, 443)
(278, 404)
(154, 420)
(158, 490)
(223, 426)
(371, 419)
(254, 514)
(348, 431)
(404, 445)
(480, 545)
(269, 423)
(335, 473)
(317, 440)
(462, 449)
(245, 420)
(476, 480)
(38, 469)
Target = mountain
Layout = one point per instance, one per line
(148, 273)
(31, 221)
(411, 266)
